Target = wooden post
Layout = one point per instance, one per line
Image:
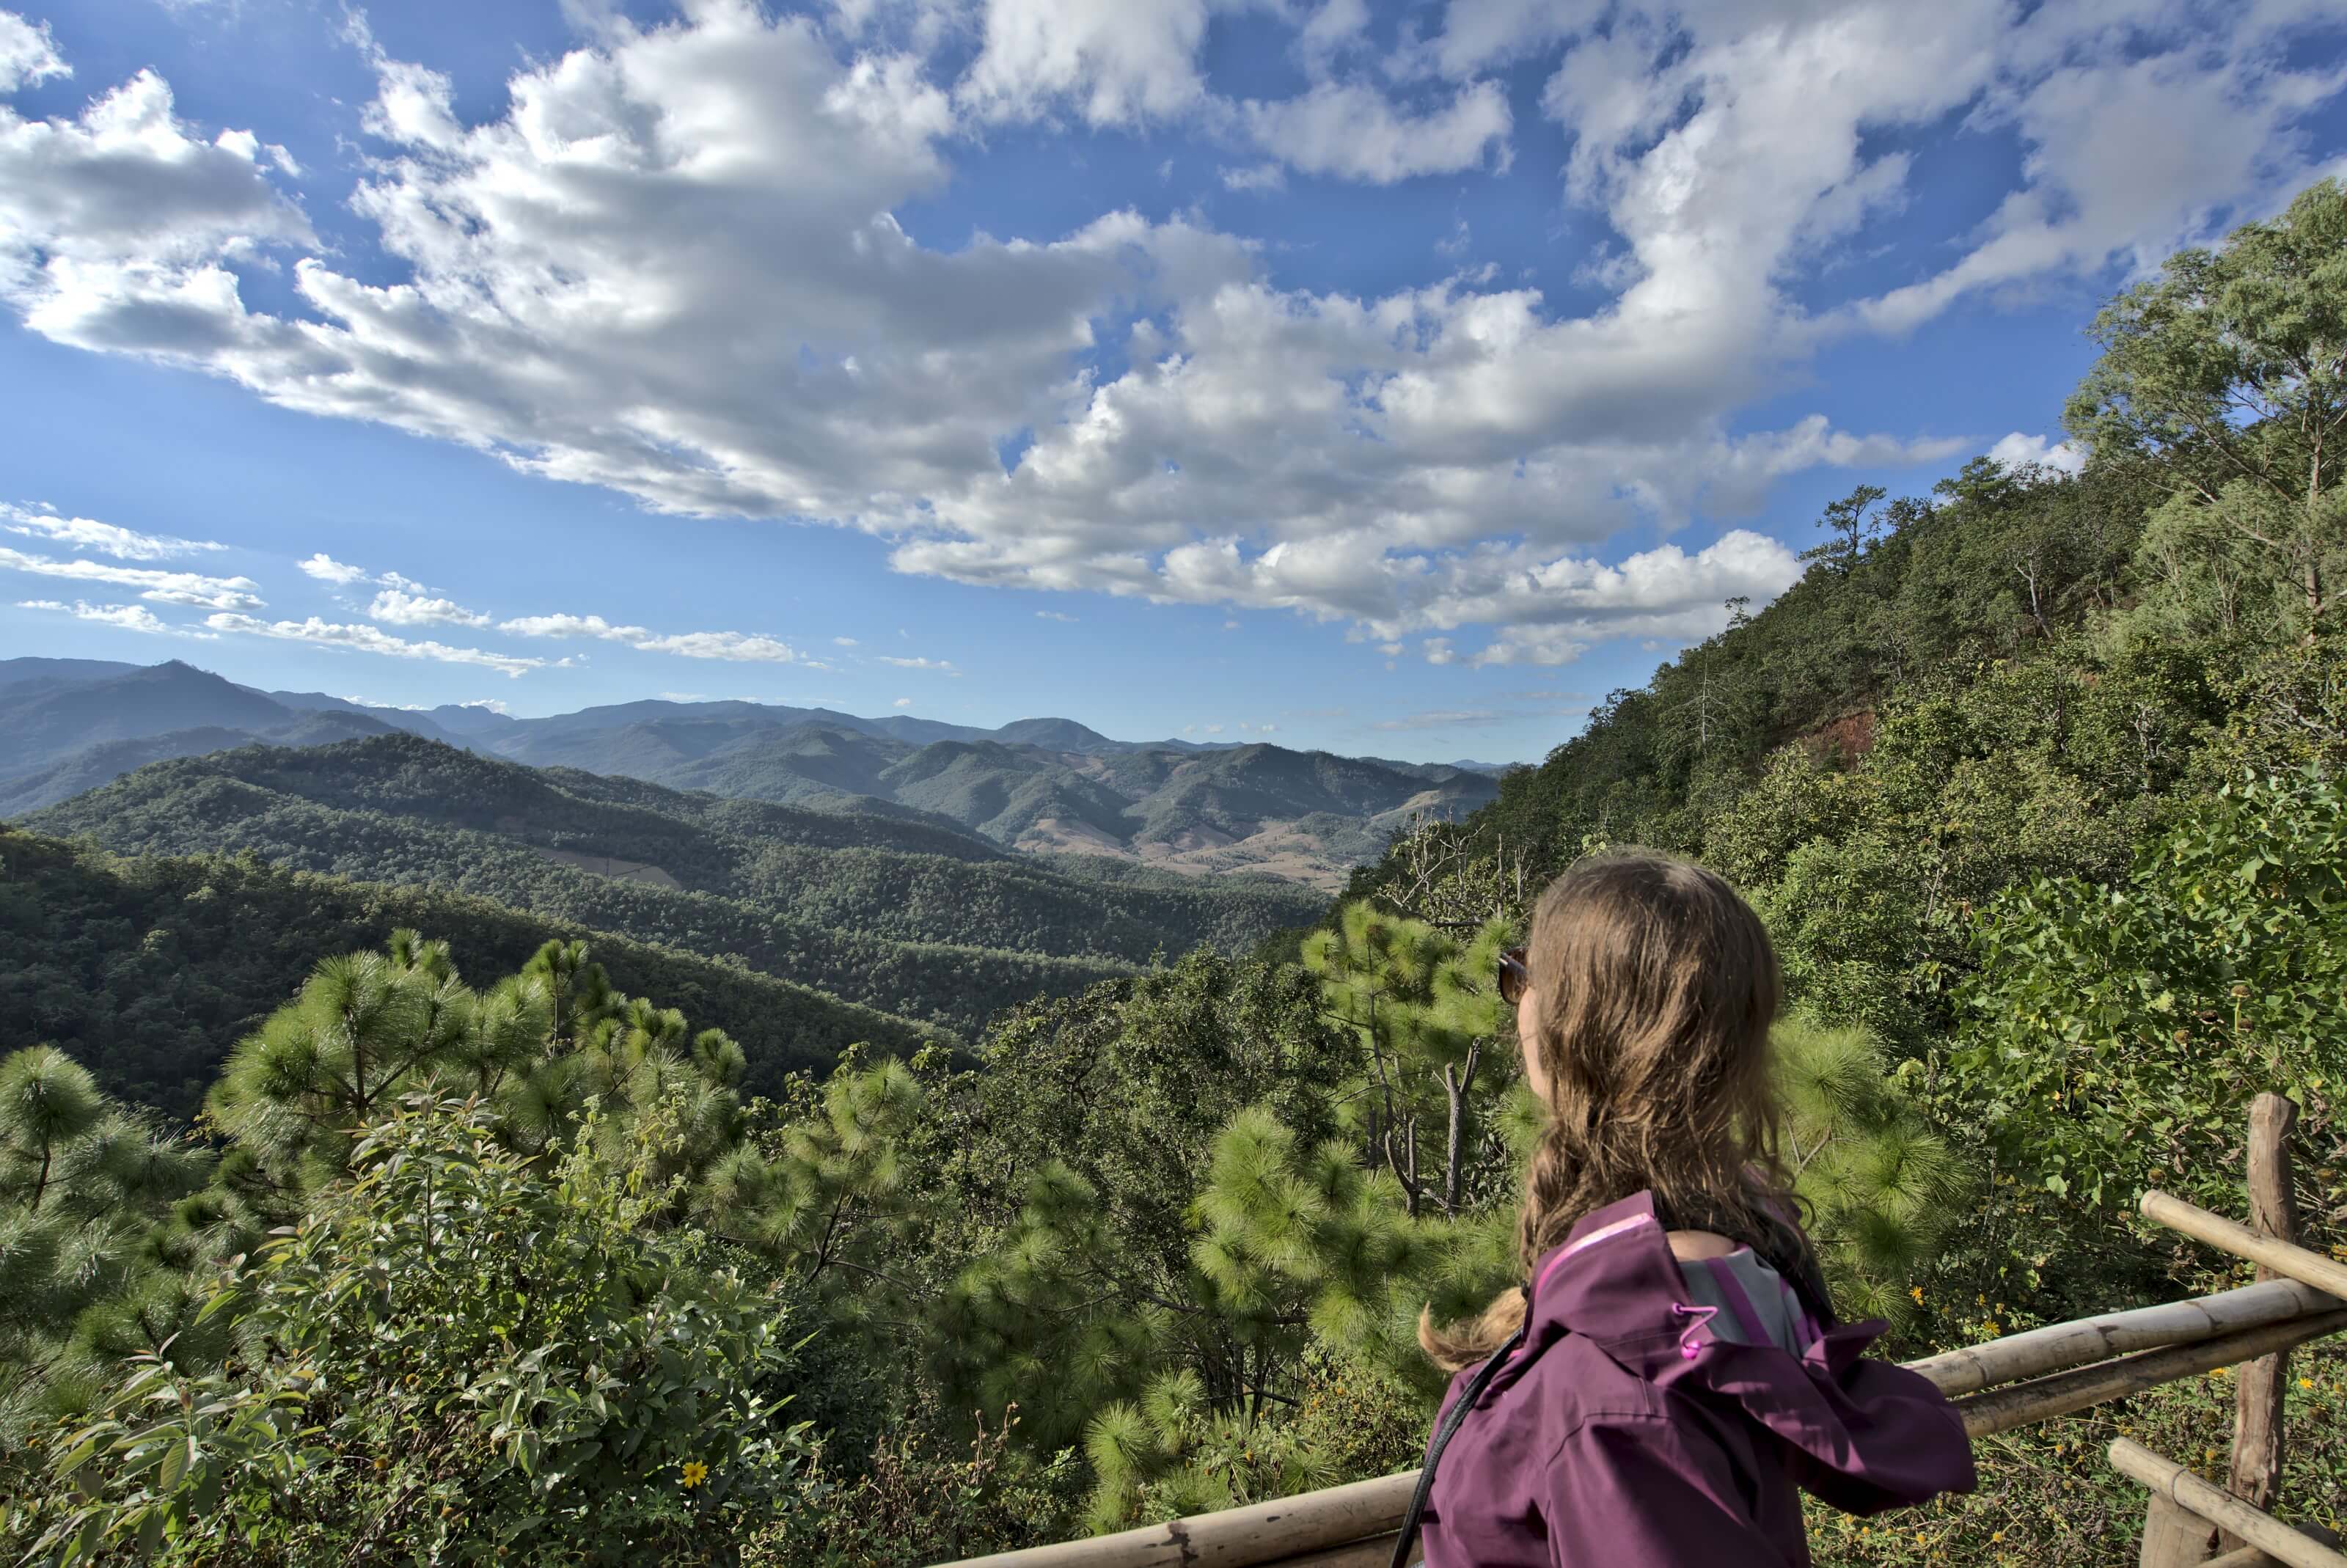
(2264, 1393)
(2173, 1535)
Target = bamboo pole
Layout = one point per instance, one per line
(2218, 1232)
(2061, 1394)
(2220, 1507)
(2261, 1397)
(2250, 1557)
(2058, 1345)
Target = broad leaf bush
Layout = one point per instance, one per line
(2115, 1034)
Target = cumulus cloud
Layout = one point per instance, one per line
(1113, 64)
(162, 587)
(743, 647)
(1354, 131)
(26, 54)
(397, 606)
(943, 666)
(128, 617)
(669, 267)
(106, 539)
(2021, 451)
(902, 703)
(326, 568)
(369, 639)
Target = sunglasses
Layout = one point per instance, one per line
(1516, 976)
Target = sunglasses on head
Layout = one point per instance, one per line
(1516, 976)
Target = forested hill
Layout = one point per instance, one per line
(910, 918)
(149, 969)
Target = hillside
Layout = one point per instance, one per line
(909, 917)
(1033, 785)
(149, 969)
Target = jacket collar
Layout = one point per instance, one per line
(1615, 1283)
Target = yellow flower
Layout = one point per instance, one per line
(1917, 1292)
(2306, 1382)
(695, 1472)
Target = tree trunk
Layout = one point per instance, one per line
(2262, 1391)
(1457, 1084)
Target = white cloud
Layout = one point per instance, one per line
(1115, 63)
(114, 226)
(1355, 132)
(943, 665)
(669, 267)
(1439, 651)
(160, 587)
(371, 640)
(494, 704)
(128, 617)
(844, 641)
(106, 539)
(397, 606)
(902, 703)
(326, 568)
(26, 54)
(2018, 451)
(1053, 615)
(738, 646)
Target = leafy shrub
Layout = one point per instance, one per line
(2117, 1034)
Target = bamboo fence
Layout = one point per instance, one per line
(2007, 1383)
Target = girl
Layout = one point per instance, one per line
(1673, 1375)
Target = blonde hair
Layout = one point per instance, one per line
(1657, 986)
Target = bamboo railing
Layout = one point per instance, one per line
(2027, 1377)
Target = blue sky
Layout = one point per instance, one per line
(1396, 379)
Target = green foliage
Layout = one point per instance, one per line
(2115, 1034)
(462, 1353)
(915, 1505)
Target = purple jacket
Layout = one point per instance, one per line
(1657, 1417)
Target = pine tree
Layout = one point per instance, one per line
(1881, 1187)
(1425, 1005)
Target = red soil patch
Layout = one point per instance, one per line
(1849, 737)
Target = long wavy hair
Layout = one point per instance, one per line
(1657, 986)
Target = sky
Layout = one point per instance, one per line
(1392, 378)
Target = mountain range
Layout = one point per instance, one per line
(1043, 785)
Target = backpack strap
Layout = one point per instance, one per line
(1446, 1430)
